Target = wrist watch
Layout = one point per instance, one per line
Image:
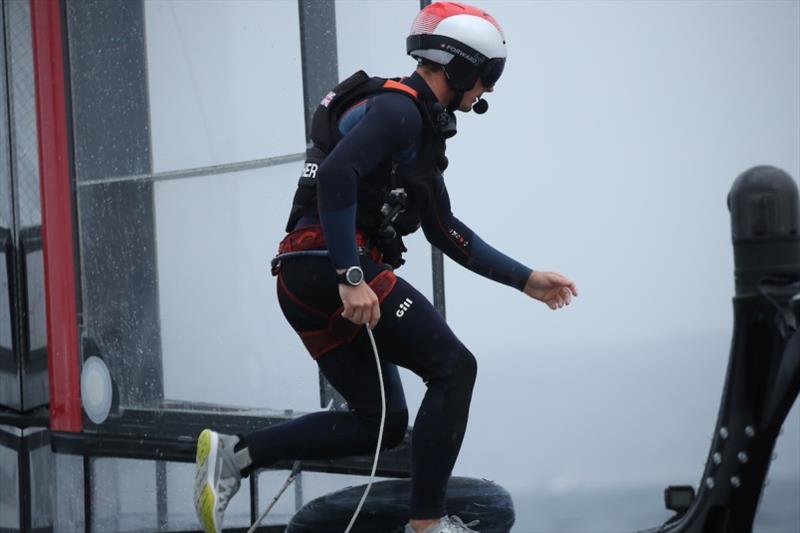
(353, 276)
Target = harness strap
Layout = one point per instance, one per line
(341, 331)
(310, 238)
(313, 238)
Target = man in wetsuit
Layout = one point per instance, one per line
(373, 174)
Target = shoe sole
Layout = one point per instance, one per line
(205, 497)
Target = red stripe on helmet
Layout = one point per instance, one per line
(430, 17)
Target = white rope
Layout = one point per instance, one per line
(380, 433)
(296, 466)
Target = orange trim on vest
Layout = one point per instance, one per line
(391, 84)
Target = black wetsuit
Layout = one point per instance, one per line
(410, 333)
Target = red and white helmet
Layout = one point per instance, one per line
(467, 41)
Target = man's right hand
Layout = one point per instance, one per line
(361, 305)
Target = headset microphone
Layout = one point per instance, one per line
(481, 106)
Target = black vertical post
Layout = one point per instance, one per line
(254, 496)
(298, 491)
(320, 62)
(87, 494)
(320, 74)
(437, 265)
(161, 495)
(437, 258)
(24, 466)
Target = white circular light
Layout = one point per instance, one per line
(96, 390)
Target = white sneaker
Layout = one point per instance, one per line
(217, 478)
(448, 524)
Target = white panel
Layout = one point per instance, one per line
(42, 469)
(68, 494)
(225, 81)
(224, 337)
(34, 262)
(123, 495)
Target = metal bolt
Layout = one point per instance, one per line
(750, 431)
(767, 482)
(774, 456)
(723, 432)
(717, 458)
(736, 482)
(742, 457)
(710, 482)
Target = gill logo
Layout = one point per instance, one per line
(404, 307)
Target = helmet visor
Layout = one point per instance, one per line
(491, 71)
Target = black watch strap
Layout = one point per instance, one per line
(353, 276)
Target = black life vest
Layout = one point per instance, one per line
(420, 180)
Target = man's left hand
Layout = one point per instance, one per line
(551, 288)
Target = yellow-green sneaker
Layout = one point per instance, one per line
(217, 478)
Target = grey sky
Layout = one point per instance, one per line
(607, 154)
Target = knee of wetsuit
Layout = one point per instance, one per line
(464, 370)
(455, 365)
(395, 429)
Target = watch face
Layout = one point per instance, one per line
(354, 275)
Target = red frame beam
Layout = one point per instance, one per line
(57, 216)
